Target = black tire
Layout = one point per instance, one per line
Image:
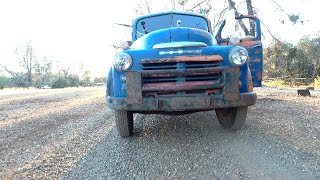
(232, 118)
(124, 122)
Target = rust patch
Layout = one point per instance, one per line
(185, 86)
(182, 72)
(182, 59)
(249, 43)
(231, 83)
(250, 85)
(177, 103)
(244, 42)
(255, 60)
(259, 75)
(214, 91)
(134, 86)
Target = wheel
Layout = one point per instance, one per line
(232, 118)
(124, 122)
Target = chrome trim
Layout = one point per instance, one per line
(180, 44)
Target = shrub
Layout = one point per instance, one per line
(61, 83)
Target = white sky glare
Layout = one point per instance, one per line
(74, 31)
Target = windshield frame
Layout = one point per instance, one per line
(137, 20)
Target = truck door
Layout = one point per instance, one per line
(248, 29)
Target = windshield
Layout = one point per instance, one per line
(153, 23)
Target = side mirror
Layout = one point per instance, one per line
(234, 40)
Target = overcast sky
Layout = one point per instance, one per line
(74, 31)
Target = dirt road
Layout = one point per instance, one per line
(71, 134)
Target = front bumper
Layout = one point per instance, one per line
(182, 103)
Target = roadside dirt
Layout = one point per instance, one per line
(69, 133)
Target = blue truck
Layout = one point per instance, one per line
(176, 64)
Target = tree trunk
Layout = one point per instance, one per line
(315, 72)
(243, 26)
(147, 6)
(251, 12)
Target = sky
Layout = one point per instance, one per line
(74, 32)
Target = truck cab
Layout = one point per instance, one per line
(176, 65)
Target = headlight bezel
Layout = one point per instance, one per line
(240, 53)
(122, 61)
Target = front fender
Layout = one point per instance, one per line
(109, 84)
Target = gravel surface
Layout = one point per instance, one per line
(70, 134)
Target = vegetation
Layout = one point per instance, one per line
(293, 62)
(275, 82)
(36, 72)
(284, 63)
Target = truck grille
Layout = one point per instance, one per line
(188, 76)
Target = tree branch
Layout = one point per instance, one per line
(270, 32)
(243, 26)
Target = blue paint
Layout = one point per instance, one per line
(254, 51)
(162, 28)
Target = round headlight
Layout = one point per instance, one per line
(122, 61)
(238, 56)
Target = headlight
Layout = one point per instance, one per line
(238, 56)
(122, 61)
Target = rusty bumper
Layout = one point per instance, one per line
(182, 103)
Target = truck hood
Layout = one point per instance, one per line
(178, 37)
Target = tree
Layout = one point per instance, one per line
(311, 49)
(4, 82)
(286, 60)
(73, 80)
(86, 78)
(43, 70)
(281, 60)
(26, 58)
(18, 78)
(99, 80)
(142, 8)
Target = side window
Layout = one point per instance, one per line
(244, 28)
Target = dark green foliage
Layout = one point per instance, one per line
(20, 80)
(73, 80)
(283, 59)
(294, 18)
(61, 83)
(99, 80)
(5, 82)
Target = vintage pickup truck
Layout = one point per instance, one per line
(175, 65)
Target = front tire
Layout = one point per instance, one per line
(232, 118)
(124, 122)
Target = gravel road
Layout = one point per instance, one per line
(70, 133)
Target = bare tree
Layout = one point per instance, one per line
(142, 8)
(26, 60)
(43, 69)
(251, 12)
(66, 71)
(236, 13)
